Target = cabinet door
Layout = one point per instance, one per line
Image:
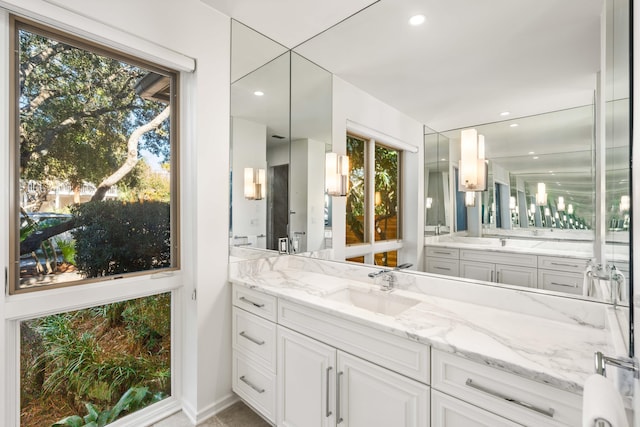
(477, 270)
(514, 275)
(447, 411)
(447, 267)
(306, 381)
(371, 396)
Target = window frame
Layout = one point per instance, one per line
(371, 247)
(17, 23)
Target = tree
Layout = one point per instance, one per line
(81, 120)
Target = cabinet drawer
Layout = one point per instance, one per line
(254, 385)
(397, 354)
(509, 258)
(443, 266)
(573, 265)
(447, 411)
(440, 252)
(516, 275)
(255, 337)
(477, 270)
(559, 281)
(255, 302)
(516, 398)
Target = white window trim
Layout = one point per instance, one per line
(14, 308)
(369, 249)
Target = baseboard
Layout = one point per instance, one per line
(209, 411)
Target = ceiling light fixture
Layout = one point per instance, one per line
(258, 93)
(505, 113)
(513, 125)
(416, 20)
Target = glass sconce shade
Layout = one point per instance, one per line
(336, 174)
(255, 187)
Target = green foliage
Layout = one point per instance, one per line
(68, 249)
(118, 237)
(132, 400)
(148, 320)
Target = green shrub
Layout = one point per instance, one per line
(117, 237)
(149, 319)
(68, 249)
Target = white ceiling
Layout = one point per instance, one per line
(470, 61)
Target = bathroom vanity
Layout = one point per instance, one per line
(317, 343)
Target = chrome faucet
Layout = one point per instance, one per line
(388, 276)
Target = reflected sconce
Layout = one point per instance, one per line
(625, 203)
(532, 208)
(470, 199)
(541, 195)
(254, 184)
(336, 174)
(428, 202)
(378, 198)
(561, 205)
(570, 209)
(512, 203)
(472, 167)
(547, 212)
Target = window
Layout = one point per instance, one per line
(373, 216)
(95, 153)
(95, 364)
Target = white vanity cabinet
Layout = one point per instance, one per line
(505, 398)
(562, 274)
(499, 267)
(321, 386)
(441, 260)
(254, 350)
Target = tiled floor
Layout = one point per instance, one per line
(237, 415)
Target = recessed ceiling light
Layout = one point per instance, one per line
(258, 93)
(532, 152)
(505, 113)
(416, 20)
(535, 157)
(550, 171)
(513, 125)
(443, 160)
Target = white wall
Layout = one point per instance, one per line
(193, 29)
(351, 103)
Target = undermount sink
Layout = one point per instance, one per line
(377, 302)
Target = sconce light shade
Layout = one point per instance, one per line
(470, 199)
(547, 212)
(561, 206)
(472, 167)
(570, 209)
(625, 203)
(254, 184)
(532, 208)
(428, 202)
(336, 174)
(512, 203)
(378, 198)
(541, 195)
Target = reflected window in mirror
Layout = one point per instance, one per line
(373, 206)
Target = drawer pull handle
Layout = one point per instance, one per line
(243, 334)
(548, 412)
(565, 265)
(247, 382)
(442, 253)
(328, 412)
(243, 299)
(566, 285)
(339, 409)
(442, 268)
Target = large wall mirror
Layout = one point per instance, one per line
(568, 128)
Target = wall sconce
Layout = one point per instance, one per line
(472, 167)
(570, 209)
(336, 174)
(625, 203)
(428, 202)
(512, 203)
(377, 198)
(469, 199)
(541, 195)
(560, 205)
(532, 208)
(547, 212)
(254, 184)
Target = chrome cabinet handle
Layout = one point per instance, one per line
(491, 277)
(497, 276)
(548, 412)
(243, 334)
(247, 382)
(564, 284)
(339, 408)
(564, 265)
(442, 253)
(328, 412)
(442, 268)
(243, 299)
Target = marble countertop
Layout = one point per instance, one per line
(549, 351)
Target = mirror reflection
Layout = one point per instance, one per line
(556, 182)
